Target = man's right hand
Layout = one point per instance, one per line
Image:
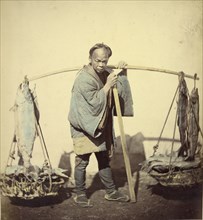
(111, 82)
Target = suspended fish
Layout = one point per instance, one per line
(26, 113)
(182, 115)
(193, 123)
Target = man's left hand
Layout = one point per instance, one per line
(122, 65)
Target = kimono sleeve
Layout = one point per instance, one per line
(87, 107)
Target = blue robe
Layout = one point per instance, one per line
(91, 111)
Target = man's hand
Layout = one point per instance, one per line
(111, 82)
(112, 78)
(121, 65)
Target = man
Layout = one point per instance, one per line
(91, 122)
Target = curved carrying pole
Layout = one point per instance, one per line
(130, 67)
(53, 73)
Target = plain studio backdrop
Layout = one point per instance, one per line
(45, 36)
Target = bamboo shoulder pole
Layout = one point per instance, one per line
(124, 146)
(130, 67)
(54, 73)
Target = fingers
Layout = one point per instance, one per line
(121, 65)
(117, 71)
(112, 79)
(113, 76)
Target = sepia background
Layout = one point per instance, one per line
(38, 37)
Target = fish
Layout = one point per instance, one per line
(182, 122)
(193, 123)
(26, 115)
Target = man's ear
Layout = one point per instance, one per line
(90, 60)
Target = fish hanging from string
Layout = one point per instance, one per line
(193, 124)
(182, 122)
(188, 120)
(27, 181)
(25, 113)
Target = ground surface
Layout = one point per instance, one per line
(153, 201)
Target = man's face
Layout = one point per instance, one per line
(99, 59)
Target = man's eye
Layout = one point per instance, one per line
(98, 61)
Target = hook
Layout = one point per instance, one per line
(195, 78)
(26, 81)
(181, 75)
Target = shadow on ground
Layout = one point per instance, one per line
(180, 193)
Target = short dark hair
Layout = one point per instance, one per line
(100, 45)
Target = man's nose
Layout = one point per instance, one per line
(101, 64)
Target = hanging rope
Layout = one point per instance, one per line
(43, 145)
(41, 141)
(174, 131)
(157, 145)
(12, 151)
(39, 130)
(12, 148)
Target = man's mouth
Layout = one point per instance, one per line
(100, 69)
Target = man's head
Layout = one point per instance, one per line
(99, 55)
